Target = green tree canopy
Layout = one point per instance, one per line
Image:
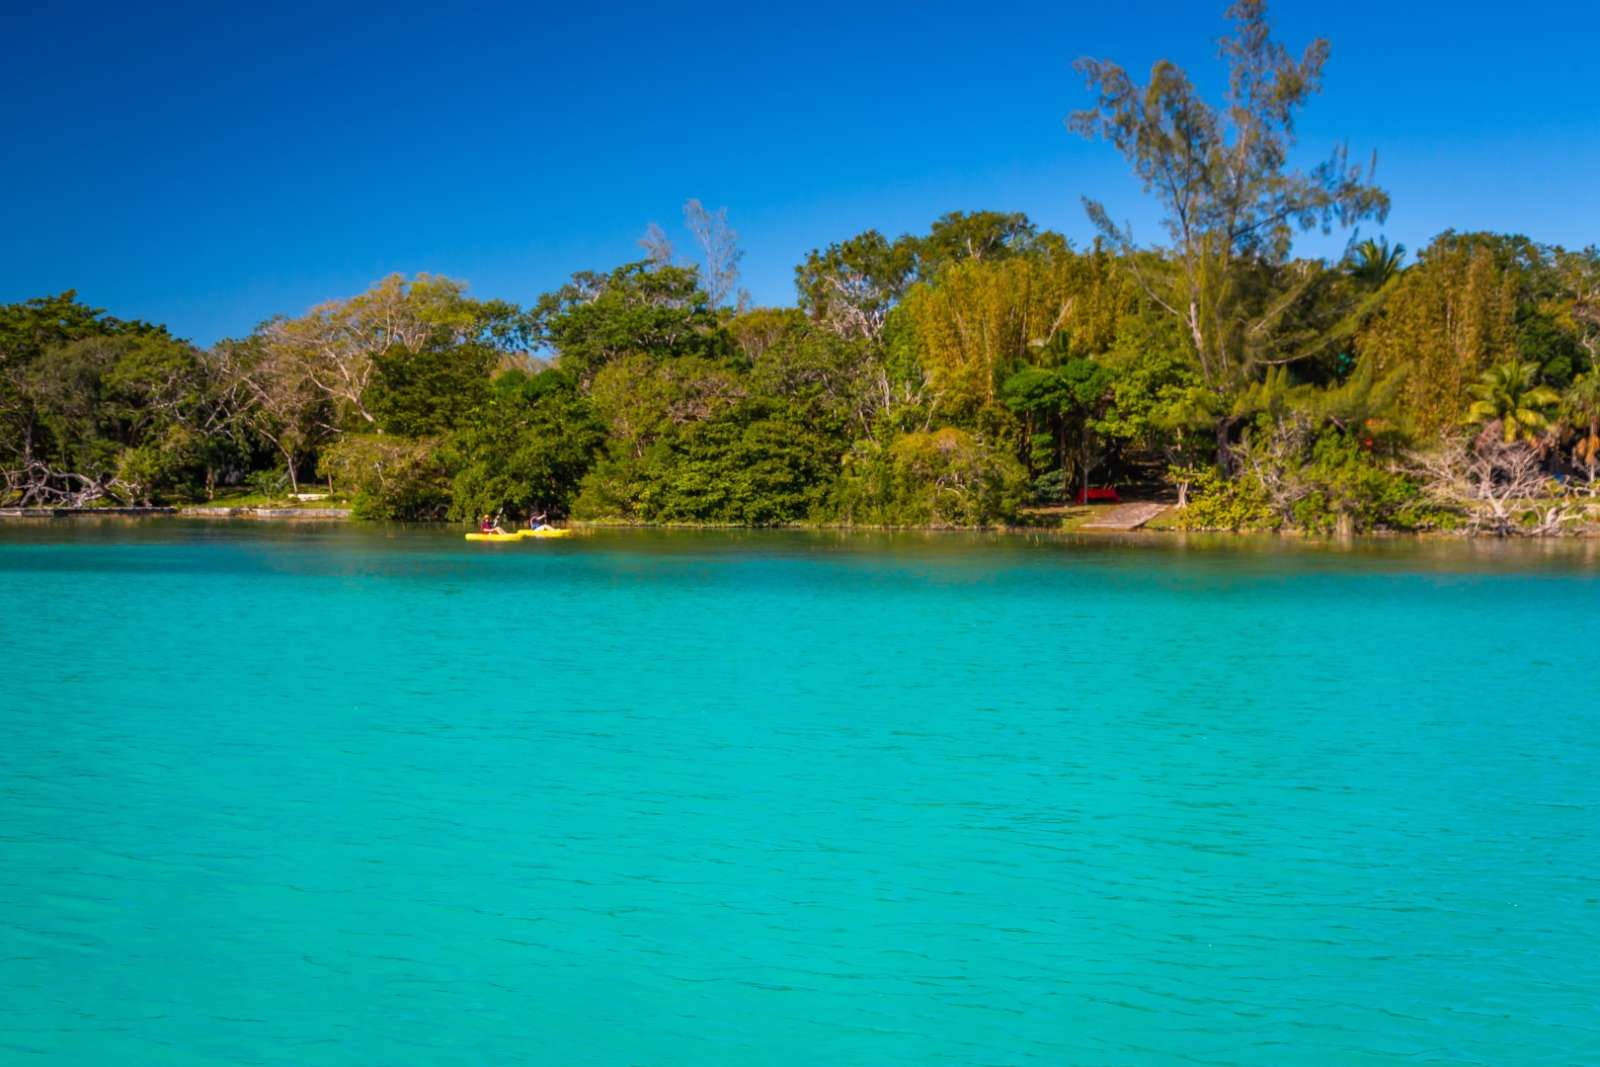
(851, 286)
(639, 307)
(979, 235)
(525, 450)
(1509, 393)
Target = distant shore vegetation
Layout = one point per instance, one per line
(956, 377)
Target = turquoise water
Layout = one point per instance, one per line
(276, 795)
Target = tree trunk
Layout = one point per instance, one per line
(1061, 451)
(1226, 461)
(1086, 466)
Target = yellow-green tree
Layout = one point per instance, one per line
(1446, 321)
(982, 320)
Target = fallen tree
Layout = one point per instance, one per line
(1498, 487)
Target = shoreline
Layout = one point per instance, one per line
(1588, 532)
(176, 512)
(255, 513)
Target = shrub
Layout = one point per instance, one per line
(1320, 483)
(945, 477)
(1218, 504)
(392, 477)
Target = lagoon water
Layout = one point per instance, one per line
(314, 796)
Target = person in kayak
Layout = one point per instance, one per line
(488, 525)
(539, 522)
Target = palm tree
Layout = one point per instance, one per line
(1375, 262)
(1582, 404)
(1510, 393)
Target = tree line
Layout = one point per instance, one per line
(959, 376)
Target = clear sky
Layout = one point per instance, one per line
(207, 165)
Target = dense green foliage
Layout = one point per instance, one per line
(955, 377)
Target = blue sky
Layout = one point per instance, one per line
(207, 167)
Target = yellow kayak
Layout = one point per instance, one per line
(517, 535)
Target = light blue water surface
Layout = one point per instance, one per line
(284, 795)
